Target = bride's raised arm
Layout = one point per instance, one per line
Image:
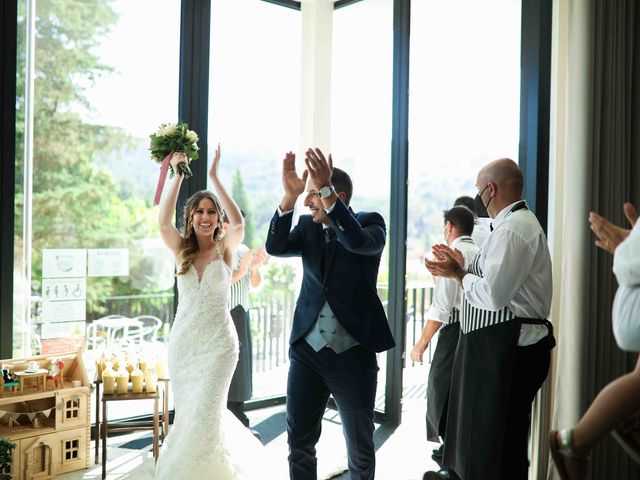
(169, 233)
(235, 230)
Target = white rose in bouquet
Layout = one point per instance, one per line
(191, 136)
(170, 129)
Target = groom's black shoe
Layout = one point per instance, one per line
(439, 475)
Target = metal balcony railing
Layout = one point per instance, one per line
(271, 318)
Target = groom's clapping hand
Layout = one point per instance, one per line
(319, 168)
(292, 183)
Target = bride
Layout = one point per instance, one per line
(206, 440)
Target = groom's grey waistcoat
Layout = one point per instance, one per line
(327, 332)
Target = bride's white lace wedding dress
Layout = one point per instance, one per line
(206, 441)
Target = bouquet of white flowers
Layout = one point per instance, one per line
(171, 138)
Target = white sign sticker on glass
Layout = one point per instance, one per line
(60, 289)
(63, 330)
(108, 262)
(66, 311)
(64, 263)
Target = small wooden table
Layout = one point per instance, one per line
(38, 374)
(159, 424)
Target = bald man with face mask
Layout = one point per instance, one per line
(503, 354)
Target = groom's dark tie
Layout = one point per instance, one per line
(329, 234)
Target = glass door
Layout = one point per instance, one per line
(254, 113)
(464, 111)
(361, 119)
(98, 275)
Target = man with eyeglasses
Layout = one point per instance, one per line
(339, 322)
(503, 353)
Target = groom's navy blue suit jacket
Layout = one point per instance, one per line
(343, 271)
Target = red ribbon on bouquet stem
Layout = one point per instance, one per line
(162, 179)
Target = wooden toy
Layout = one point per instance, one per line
(55, 373)
(8, 380)
(32, 380)
(51, 428)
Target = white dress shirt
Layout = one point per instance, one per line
(516, 272)
(480, 233)
(239, 291)
(626, 261)
(626, 304)
(448, 293)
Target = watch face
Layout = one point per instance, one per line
(325, 192)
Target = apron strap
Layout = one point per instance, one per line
(550, 340)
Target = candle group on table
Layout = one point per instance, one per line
(118, 371)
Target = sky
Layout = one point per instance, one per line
(143, 47)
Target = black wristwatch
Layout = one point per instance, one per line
(326, 192)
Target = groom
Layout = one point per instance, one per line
(339, 322)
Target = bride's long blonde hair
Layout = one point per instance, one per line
(190, 248)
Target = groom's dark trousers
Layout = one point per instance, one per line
(351, 378)
(340, 269)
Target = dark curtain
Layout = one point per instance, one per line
(614, 179)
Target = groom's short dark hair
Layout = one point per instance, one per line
(342, 183)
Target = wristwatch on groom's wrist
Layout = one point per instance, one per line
(327, 191)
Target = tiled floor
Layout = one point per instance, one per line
(402, 454)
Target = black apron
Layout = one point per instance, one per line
(241, 383)
(439, 381)
(481, 387)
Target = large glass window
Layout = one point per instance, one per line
(464, 111)
(254, 113)
(361, 117)
(100, 276)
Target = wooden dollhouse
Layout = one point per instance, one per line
(46, 414)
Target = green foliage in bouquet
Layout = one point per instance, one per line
(172, 137)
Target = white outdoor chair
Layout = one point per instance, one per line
(117, 331)
(150, 326)
(97, 336)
